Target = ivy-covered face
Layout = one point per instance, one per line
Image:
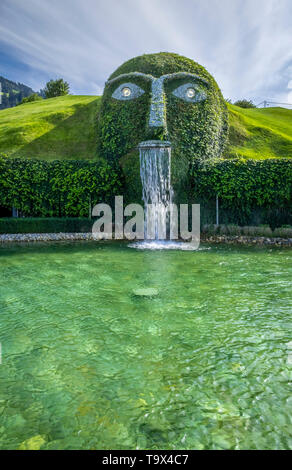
(162, 97)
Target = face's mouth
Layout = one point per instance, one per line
(152, 144)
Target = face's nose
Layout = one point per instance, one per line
(157, 116)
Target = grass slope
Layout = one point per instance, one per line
(65, 128)
(260, 133)
(56, 128)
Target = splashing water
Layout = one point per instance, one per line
(155, 171)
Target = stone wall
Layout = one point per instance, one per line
(216, 239)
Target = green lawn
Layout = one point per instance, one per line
(65, 128)
(56, 128)
(260, 133)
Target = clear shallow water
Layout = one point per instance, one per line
(203, 363)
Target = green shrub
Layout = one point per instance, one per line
(257, 231)
(244, 104)
(244, 186)
(229, 230)
(283, 232)
(250, 192)
(45, 225)
(32, 97)
(40, 188)
(56, 88)
(248, 231)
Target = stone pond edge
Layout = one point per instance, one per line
(230, 239)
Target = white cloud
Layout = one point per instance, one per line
(246, 44)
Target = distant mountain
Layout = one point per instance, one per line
(12, 93)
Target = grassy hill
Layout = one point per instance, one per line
(65, 128)
(260, 133)
(56, 128)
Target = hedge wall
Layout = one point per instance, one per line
(45, 225)
(246, 189)
(56, 189)
(250, 192)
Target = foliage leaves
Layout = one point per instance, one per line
(32, 97)
(244, 104)
(56, 88)
(57, 188)
(199, 128)
(68, 188)
(45, 225)
(243, 185)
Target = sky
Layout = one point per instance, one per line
(245, 44)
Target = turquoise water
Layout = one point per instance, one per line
(205, 362)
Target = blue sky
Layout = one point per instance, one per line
(245, 44)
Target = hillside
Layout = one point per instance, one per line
(260, 133)
(56, 128)
(12, 93)
(65, 128)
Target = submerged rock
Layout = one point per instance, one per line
(150, 292)
(34, 443)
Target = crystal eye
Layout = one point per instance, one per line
(127, 91)
(190, 92)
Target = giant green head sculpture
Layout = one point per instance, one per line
(162, 97)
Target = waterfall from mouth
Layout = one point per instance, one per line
(155, 171)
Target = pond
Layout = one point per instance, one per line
(110, 347)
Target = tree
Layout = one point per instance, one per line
(245, 104)
(56, 88)
(20, 97)
(5, 101)
(11, 99)
(30, 98)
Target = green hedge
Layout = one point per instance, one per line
(39, 188)
(251, 192)
(45, 225)
(249, 231)
(244, 188)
